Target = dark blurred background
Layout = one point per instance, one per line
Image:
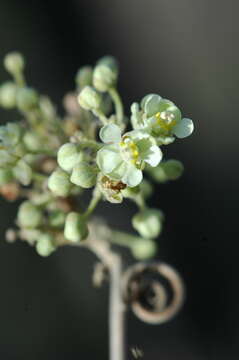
(186, 51)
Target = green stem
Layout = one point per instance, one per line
(101, 116)
(96, 196)
(139, 200)
(123, 239)
(118, 105)
(19, 79)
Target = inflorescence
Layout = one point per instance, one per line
(50, 160)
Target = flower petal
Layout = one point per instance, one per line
(110, 133)
(154, 156)
(133, 176)
(108, 158)
(184, 128)
(151, 105)
(119, 171)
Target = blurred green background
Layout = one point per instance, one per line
(186, 51)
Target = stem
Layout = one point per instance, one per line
(116, 312)
(93, 203)
(118, 105)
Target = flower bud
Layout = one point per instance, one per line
(109, 61)
(59, 183)
(84, 175)
(45, 245)
(75, 227)
(32, 141)
(29, 215)
(5, 176)
(8, 93)
(27, 99)
(68, 156)
(148, 223)
(6, 158)
(84, 76)
(22, 172)
(143, 249)
(89, 99)
(14, 62)
(173, 169)
(104, 77)
(57, 218)
(146, 188)
(168, 170)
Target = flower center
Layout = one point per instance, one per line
(165, 120)
(129, 150)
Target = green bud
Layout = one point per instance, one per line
(84, 175)
(104, 77)
(27, 99)
(45, 245)
(168, 170)
(84, 76)
(32, 141)
(6, 176)
(89, 99)
(10, 134)
(131, 192)
(22, 172)
(173, 169)
(29, 215)
(14, 62)
(148, 223)
(59, 183)
(143, 249)
(57, 218)
(68, 156)
(75, 227)
(109, 61)
(6, 158)
(8, 93)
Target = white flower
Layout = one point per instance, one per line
(161, 118)
(124, 157)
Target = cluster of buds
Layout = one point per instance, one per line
(50, 161)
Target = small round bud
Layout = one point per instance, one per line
(109, 61)
(104, 77)
(11, 235)
(14, 62)
(29, 215)
(75, 227)
(27, 99)
(32, 141)
(8, 93)
(89, 99)
(57, 218)
(143, 249)
(84, 175)
(148, 223)
(84, 77)
(59, 183)
(173, 169)
(44, 246)
(68, 156)
(168, 170)
(22, 172)
(6, 176)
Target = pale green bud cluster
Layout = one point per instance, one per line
(58, 158)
